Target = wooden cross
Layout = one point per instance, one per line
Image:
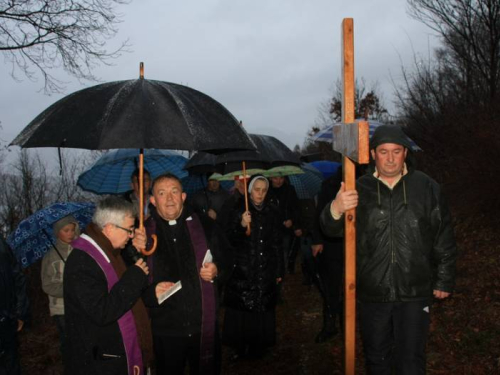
(352, 141)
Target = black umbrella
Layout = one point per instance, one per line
(270, 153)
(136, 114)
(201, 163)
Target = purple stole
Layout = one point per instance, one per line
(208, 317)
(126, 323)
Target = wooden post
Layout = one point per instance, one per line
(351, 139)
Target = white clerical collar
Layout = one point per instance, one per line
(174, 222)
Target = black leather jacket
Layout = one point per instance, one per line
(405, 241)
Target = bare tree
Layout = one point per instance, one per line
(64, 187)
(368, 105)
(29, 186)
(470, 29)
(39, 35)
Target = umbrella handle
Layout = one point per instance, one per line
(141, 203)
(248, 231)
(153, 248)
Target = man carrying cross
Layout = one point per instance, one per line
(406, 253)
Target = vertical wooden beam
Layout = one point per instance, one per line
(349, 171)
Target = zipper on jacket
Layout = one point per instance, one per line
(393, 287)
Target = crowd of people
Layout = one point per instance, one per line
(120, 312)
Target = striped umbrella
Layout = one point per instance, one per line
(111, 173)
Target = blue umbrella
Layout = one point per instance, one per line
(326, 167)
(34, 237)
(111, 173)
(308, 184)
(326, 134)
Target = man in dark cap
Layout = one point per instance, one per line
(406, 253)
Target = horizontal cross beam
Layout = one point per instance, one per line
(352, 141)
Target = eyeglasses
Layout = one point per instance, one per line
(129, 231)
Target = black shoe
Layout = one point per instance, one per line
(324, 336)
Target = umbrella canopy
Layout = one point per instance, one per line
(326, 167)
(308, 184)
(201, 163)
(270, 153)
(34, 237)
(111, 173)
(326, 134)
(136, 114)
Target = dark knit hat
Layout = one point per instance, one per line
(389, 134)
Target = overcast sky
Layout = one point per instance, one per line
(270, 62)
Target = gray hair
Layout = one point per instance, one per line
(112, 210)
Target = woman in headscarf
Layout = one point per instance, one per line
(65, 230)
(251, 292)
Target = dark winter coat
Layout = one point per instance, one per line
(174, 260)
(285, 199)
(204, 200)
(258, 259)
(13, 298)
(13, 307)
(92, 313)
(405, 241)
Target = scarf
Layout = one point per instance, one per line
(141, 318)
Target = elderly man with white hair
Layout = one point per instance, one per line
(108, 331)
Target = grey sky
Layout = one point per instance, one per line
(271, 63)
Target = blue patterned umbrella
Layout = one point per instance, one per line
(326, 134)
(34, 237)
(111, 173)
(308, 184)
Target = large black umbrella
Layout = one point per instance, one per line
(270, 153)
(201, 163)
(136, 114)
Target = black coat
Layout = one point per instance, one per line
(174, 260)
(258, 260)
(92, 313)
(285, 199)
(13, 298)
(405, 241)
(13, 306)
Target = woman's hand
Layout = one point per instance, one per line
(246, 219)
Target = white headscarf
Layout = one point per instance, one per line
(256, 178)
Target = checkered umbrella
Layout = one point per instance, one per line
(308, 184)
